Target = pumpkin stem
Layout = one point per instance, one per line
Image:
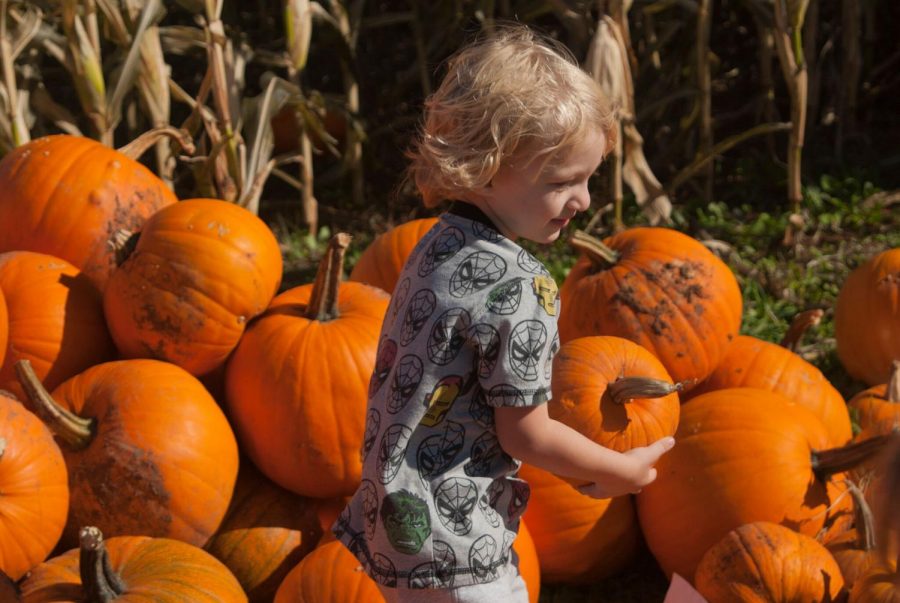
(801, 323)
(599, 253)
(893, 387)
(75, 431)
(2, 447)
(138, 146)
(864, 521)
(323, 300)
(122, 242)
(826, 463)
(625, 389)
(100, 582)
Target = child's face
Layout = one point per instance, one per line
(525, 201)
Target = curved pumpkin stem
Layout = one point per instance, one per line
(75, 431)
(100, 582)
(625, 389)
(138, 146)
(893, 387)
(600, 255)
(2, 447)
(799, 326)
(864, 521)
(323, 300)
(826, 463)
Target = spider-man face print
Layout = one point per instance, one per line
(548, 364)
(483, 231)
(478, 270)
(373, 425)
(421, 307)
(455, 499)
(444, 247)
(370, 506)
(438, 573)
(437, 452)
(401, 291)
(405, 381)
(484, 559)
(448, 334)
(529, 263)
(387, 354)
(391, 451)
(487, 456)
(487, 347)
(526, 343)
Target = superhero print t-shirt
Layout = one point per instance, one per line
(471, 326)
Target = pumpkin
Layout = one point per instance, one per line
(867, 318)
(761, 561)
(658, 288)
(529, 564)
(752, 362)
(34, 490)
(200, 270)
(8, 591)
(880, 583)
(742, 455)
(130, 569)
(67, 196)
(265, 533)
(330, 574)
(55, 319)
(147, 449)
(878, 407)
(854, 547)
(4, 327)
(614, 392)
(296, 386)
(578, 539)
(382, 261)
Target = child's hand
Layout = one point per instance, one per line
(637, 473)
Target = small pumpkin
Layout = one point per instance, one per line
(130, 569)
(296, 387)
(878, 407)
(265, 533)
(659, 288)
(382, 261)
(742, 455)
(147, 449)
(55, 319)
(200, 270)
(762, 561)
(67, 196)
(330, 574)
(34, 490)
(867, 318)
(578, 539)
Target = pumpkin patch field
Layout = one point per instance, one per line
(204, 213)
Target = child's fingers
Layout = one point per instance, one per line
(658, 448)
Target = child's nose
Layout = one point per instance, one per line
(582, 198)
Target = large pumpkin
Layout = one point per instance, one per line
(867, 318)
(659, 288)
(132, 569)
(762, 561)
(201, 269)
(34, 490)
(266, 532)
(613, 391)
(578, 539)
(383, 260)
(741, 455)
(147, 448)
(68, 196)
(55, 319)
(529, 563)
(297, 384)
(752, 362)
(4, 327)
(330, 574)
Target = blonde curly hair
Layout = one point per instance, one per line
(513, 93)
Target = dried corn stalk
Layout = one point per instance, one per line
(16, 31)
(789, 15)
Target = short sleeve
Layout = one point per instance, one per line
(515, 338)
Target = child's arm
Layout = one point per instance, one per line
(529, 434)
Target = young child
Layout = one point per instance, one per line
(457, 399)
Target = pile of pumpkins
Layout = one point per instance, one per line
(172, 424)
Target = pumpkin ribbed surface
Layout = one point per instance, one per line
(383, 260)
(330, 574)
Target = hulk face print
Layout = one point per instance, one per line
(406, 521)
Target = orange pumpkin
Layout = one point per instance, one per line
(529, 564)
(330, 574)
(752, 362)
(578, 539)
(659, 288)
(854, 547)
(266, 532)
(4, 327)
(68, 196)
(147, 449)
(742, 455)
(878, 407)
(383, 260)
(34, 490)
(129, 569)
(614, 392)
(880, 583)
(867, 318)
(201, 269)
(762, 561)
(55, 319)
(296, 386)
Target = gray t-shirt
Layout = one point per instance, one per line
(471, 326)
